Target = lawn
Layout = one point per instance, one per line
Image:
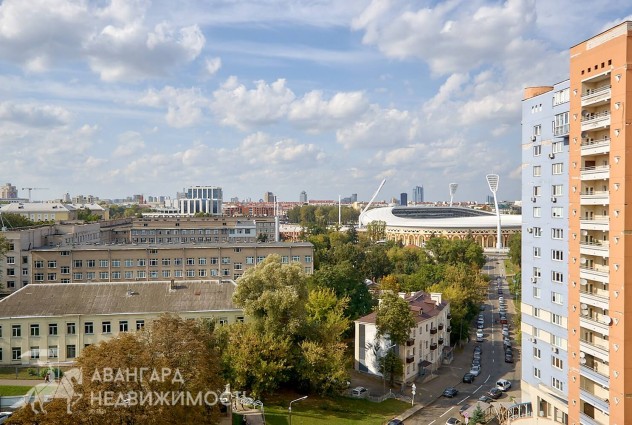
(22, 373)
(339, 410)
(9, 390)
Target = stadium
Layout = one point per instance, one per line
(415, 225)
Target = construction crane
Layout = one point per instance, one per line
(33, 188)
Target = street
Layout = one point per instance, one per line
(493, 366)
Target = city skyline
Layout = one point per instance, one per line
(327, 97)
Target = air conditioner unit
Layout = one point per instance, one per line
(533, 340)
(553, 199)
(534, 280)
(555, 350)
(533, 138)
(552, 155)
(534, 199)
(530, 229)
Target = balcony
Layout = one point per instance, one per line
(599, 95)
(449, 316)
(598, 120)
(595, 298)
(595, 350)
(594, 247)
(433, 345)
(595, 376)
(433, 331)
(601, 222)
(410, 359)
(440, 326)
(587, 420)
(599, 172)
(600, 197)
(410, 342)
(600, 403)
(595, 325)
(597, 273)
(441, 341)
(561, 130)
(595, 147)
(449, 329)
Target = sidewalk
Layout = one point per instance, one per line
(21, 382)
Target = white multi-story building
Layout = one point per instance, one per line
(201, 199)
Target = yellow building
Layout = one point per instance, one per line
(49, 324)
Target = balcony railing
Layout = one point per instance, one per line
(601, 403)
(449, 329)
(604, 348)
(597, 90)
(440, 341)
(410, 342)
(433, 345)
(410, 359)
(596, 269)
(597, 116)
(602, 295)
(433, 331)
(449, 316)
(595, 375)
(440, 326)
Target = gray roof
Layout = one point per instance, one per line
(59, 299)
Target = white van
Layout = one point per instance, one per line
(503, 384)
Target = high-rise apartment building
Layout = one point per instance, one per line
(545, 150)
(303, 197)
(268, 197)
(403, 199)
(418, 194)
(201, 199)
(583, 355)
(8, 191)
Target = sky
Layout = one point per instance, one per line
(119, 97)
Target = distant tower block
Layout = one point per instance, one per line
(453, 188)
(492, 181)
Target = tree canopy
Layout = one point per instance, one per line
(394, 318)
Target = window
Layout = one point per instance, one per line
(557, 212)
(52, 264)
(141, 274)
(260, 258)
(225, 260)
(116, 263)
(38, 264)
(536, 372)
(141, 262)
(556, 297)
(71, 328)
(106, 327)
(225, 272)
(537, 212)
(557, 168)
(556, 190)
(77, 263)
(77, 276)
(190, 261)
(296, 258)
(88, 328)
(537, 232)
(53, 351)
(557, 255)
(65, 270)
(123, 326)
(35, 352)
(190, 273)
(214, 260)
(557, 362)
(557, 277)
(238, 266)
(129, 275)
(16, 331)
(308, 259)
(557, 341)
(535, 332)
(537, 272)
(129, 263)
(556, 319)
(104, 275)
(166, 261)
(90, 275)
(38, 277)
(166, 273)
(202, 261)
(177, 273)
(103, 263)
(71, 351)
(223, 321)
(11, 272)
(116, 275)
(35, 330)
(239, 319)
(536, 292)
(16, 353)
(536, 312)
(153, 262)
(52, 328)
(561, 96)
(537, 150)
(537, 130)
(202, 273)
(557, 147)
(153, 274)
(51, 276)
(250, 260)
(10, 260)
(537, 190)
(537, 251)
(557, 384)
(561, 124)
(557, 233)
(91, 263)
(140, 324)
(536, 353)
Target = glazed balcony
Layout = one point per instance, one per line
(598, 172)
(596, 120)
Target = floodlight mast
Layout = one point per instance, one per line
(370, 202)
(453, 187)
(492, 181)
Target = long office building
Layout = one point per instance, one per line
(592, 381)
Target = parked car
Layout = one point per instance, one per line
(463, 409)
(508, 358)
(494, 393)
(503, 384)
(359, 392)
(478, 349)
(500, 291)
(395, 422)
(475, 370)
(468, 378)
(450, 392)
(476, 356)
(453, 421)
(485, 399)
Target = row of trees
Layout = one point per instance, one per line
(311, 216)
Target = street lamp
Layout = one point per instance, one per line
(290, 408)
(453, 187)
(492, 181)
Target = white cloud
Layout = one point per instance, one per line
(317, 114)
(34, 115)
(238, 106)
(379, 128)
(129, 143)
(212, 65)
(184, 106)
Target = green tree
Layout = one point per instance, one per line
(347, 282)
(376, 263)
(323, 367)
(86, 215)
(390, 366)
(14, 221)
(325, 319)
(376, 230)
(273, 295)
(515, 248)
(394, 319)
(478, 416)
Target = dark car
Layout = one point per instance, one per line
(451, 392)
(478, 349)
(500, 292)
(508, 359)
(495, 393)
(395, 422)
(485, 399)
(468, 378)
(463, 409)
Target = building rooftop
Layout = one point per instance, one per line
(420, 303)
(22, 207)
(63, 299)
(97, 246)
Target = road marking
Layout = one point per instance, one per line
(487, 379)
(446, 411)
(464, 399)
(474, 392)
(432, 422)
